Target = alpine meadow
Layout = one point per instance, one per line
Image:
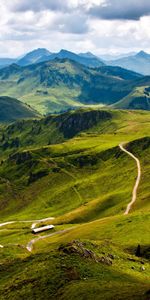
(75, 150)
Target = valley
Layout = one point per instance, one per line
(75, 150)
(73, 171)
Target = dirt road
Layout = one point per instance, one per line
(29, 246)
(134, 192)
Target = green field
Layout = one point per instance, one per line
(70, 167)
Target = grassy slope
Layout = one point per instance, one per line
(139, 98)
(61, 84)
(47, 87)
(12, 109)
(88, 186)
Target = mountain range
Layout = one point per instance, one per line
(55, 82)
(137, 62)
(60, 84)
(42, 54)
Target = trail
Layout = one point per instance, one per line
(134, 192)
(29, 246)
(6, 223)
(27, 221)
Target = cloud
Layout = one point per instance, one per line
(71, 23)
(39, 5)
(122, 10)
(98, 26)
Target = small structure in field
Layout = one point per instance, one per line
(41, 229)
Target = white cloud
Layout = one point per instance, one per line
(26, 25)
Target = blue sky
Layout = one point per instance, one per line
(99, 26)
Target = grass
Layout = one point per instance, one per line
(55, 100)
(139, 98)
(62, 274)
(85, 182)
(61, 84)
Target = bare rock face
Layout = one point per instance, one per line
(77, 247)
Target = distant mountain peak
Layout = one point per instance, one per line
(142, 54)
(34, 56)
(40, 50)
(64, 51)
(88, 55)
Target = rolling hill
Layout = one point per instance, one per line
(60, 84)
(94, 141)
(70, 167)
(12, 109)
(138, 99)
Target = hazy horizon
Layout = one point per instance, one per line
(113, 54)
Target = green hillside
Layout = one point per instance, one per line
(27, 155)
(70, 167)
(12, 109)
(138, 99)
(60, 84)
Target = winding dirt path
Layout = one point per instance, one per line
(134, 192)
(26, 221)
(29, 246)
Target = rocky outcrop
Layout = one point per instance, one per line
(77, 247)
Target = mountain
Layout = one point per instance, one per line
(88, 60)
(120, 73)
(59, 84)
(108, 57)
(12, 109)
(89, 55)
(41, 55)
(138, 63)
(37, 55)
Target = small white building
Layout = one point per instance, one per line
(41, 229)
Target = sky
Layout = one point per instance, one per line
(99, 26)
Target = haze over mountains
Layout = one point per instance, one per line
(138, 62)
(41, 55)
